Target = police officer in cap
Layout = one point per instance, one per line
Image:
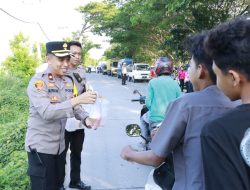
(52, 101)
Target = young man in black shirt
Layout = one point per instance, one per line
(224, 164)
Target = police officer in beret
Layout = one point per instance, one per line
(74, 133)
(52, 101)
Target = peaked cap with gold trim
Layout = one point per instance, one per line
(58, 48)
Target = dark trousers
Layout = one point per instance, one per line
(182, 84)
(44, 170)
(124, 78)
(75, 139)
(189, 87)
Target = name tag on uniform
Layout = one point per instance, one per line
(53, 90)
(69, 90)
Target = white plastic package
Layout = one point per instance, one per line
(97, 112)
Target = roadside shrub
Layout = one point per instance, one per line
(13, 119)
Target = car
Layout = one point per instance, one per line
(138, 72)
(93, 69)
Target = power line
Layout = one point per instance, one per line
(27, 22)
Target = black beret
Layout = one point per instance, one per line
(58, 48)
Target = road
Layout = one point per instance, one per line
(102, 167)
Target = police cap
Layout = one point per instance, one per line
(58, 48)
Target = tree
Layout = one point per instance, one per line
(145, 29)
(23, 61)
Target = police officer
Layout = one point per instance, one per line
(51, 103)
(74, 133)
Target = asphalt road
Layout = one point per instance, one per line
(102, 166)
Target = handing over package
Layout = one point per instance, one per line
(98, 112)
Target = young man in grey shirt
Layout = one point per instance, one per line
(185, 117)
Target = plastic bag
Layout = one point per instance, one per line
(97, 112)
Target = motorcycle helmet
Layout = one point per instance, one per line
(163, 65)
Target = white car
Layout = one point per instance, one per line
(138, 71)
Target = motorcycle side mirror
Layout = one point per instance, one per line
(135, 91)
(133, 130)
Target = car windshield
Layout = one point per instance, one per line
(142, 67)
(115, 64)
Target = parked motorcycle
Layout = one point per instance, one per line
(160, 178)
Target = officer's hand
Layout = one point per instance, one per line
(85, 98)
(126, 153)
(88, 123)
(88, 97)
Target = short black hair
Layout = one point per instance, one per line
(194, 44)
(75, 43)
(229, 45)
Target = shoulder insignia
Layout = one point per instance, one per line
(39, 84)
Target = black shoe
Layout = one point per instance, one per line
(62, 188)
(79, 185)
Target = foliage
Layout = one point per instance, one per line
(146, 29)
(13, 119)
(22, 62)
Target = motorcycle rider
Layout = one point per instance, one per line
(161, 90)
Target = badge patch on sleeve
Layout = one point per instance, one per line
(39, 84)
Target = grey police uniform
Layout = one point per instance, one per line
(78, 76)
(49, 109)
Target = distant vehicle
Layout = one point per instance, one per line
(114, 66)
(128, 61)
(138, 72)
(104, 69)
(93, 69)
(108, 68)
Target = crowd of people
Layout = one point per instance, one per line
(203, 131)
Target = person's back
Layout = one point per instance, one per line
(193, 111)
(161, 91)
(224, 150)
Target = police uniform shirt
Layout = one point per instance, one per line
(78, 76)
(79, 80)
(180, 134)
(49, 108)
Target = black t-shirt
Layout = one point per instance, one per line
(224, 167)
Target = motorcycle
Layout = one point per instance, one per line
(160, 178)
(146, 130)
(145, 123)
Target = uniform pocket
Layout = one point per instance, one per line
(37, 170)
(37, 173)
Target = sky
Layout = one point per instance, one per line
(58, 19)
